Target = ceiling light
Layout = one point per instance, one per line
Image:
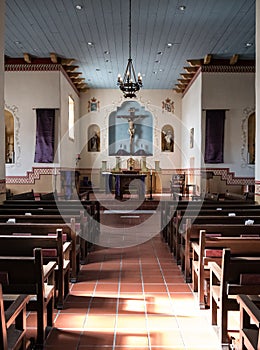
(106, 52)
(78, 7)
(248, 44)
(169, 44)
(182, 7)
(90, 43)
(129, 84)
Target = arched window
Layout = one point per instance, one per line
(9, 137)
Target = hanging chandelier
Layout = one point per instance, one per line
(129, 84)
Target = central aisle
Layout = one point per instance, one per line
(132, 298)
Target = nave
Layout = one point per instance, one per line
(131, 298)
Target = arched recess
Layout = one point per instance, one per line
(93, 138)
(167, 136)
(248, 138)
(130, 130)
(9, 137)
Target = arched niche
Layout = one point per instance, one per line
(93, 138)
(167, 138)
(9, 137)
(130, 130)
(248, 138)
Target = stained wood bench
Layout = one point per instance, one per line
(28, 275)
(13, 321)
(212, 225)
(170, 208)
(237, 275)
(69, 230)
(249, 332)
(181, 215)
(53, 249)
(210, 248)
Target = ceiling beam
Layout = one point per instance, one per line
(207, 59)
(191, 69)
(234, 59)
(67, 61)
(27, 58)
(53, 57)
(194, 63)
(187, 75)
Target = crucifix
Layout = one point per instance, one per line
(131, 126)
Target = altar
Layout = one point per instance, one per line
(128, 182)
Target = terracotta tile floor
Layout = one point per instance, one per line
(131, 298)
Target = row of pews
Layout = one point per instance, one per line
(217, 246)
(42, 245)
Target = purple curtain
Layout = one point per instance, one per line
(214, 143)
(45, 124)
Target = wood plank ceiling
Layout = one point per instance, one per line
(166, 34)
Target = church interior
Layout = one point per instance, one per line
(130, 166)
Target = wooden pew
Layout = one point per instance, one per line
(89, 210)
(170, 208)
(212, 225)
(53, 249)
(209, 248)
(13, 321)
(249, 332)
(47, 228)
(175, 221)
(229, 280)
(28, 275)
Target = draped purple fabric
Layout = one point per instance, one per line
(45, 124)
(214, 143)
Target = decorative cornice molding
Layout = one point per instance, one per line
(38, 67)
(228, 69)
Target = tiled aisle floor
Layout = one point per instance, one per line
(131, 298)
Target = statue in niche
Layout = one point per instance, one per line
(131, 127)
(167, 139)
(94, 139)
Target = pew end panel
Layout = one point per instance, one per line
(249, 332)
(226, 282)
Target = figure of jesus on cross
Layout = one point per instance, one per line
(131, 126)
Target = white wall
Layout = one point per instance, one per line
(110, 100)
(191, 118)
(25, 91)
(68, 148)
(234, 92)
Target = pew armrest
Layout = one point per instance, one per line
(249, 306)
(18, 304)
(216, 269)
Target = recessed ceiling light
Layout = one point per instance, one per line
(248, 44)
(169, 44)
(157, 61)
(17, 42)
(78, 7)
(182, 7)
(90, 43)
(106, 52)
(159, 53)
